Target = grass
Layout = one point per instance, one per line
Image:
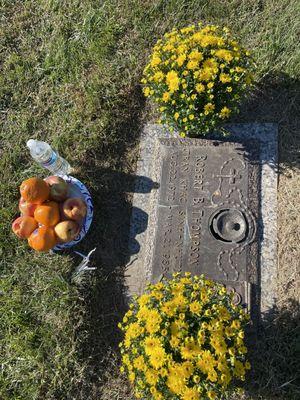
(70, 75)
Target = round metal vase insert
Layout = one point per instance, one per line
(229, 225)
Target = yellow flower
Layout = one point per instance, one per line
(143, 300)
(190, 394)
(166, 97)
(142, 314)
(155, 60)
(195, 55)
(169, 308)
(189, 350)
(146, 91)
(212, 376)
(206, 361)
(139, 363)
(225, 78)
(211, 64)
(229, 89)
(191, 116)
(224, 54)
(210, 85)
(200, 87)
(192, 64)
(236, 324)
(158, 396)
(182, 316)
(241, 334)
(201, 337)
(174, 341)
(243, 350)
(223, 313)
(195, 307)
(231, 351)
(131, 377)
(239, 69)
(153, 321)
(175, 382)
(225, 112)
(225, 379)
(211, 395)
(229, 331)
(158, 76)
(151, 343)
(125, 359)
(206, 74)
(172, 80)
(239, 370)
(208, 108)
(176, 116)
(181, 59)
(157, 358)
(158, 295)
(151, 376)
(208, 40)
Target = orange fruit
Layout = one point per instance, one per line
(35, 190)
(47, 214)
(42, 239)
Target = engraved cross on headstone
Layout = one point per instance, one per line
(232, 176)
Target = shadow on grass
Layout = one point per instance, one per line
(277, 100)
(109, 174)
(275, 357)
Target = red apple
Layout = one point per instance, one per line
(24, 226)
(58, 188)
(74, 208)
(66, 231)
(27, 208)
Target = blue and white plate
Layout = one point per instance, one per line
(78, 189)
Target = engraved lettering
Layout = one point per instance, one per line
(198, 200)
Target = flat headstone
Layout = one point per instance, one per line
(210, 213)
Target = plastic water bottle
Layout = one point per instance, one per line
(43, 153)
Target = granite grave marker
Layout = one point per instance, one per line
(206, 217)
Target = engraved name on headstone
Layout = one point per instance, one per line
(207, 214)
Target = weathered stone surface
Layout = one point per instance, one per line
(204, 216)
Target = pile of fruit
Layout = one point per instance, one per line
(49, 216)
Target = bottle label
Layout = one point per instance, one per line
(51, 160)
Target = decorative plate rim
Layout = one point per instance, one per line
(89, 215)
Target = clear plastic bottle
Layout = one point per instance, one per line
(43, 153)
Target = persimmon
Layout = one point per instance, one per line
(42, 239)
(47, 214)
(35, 190)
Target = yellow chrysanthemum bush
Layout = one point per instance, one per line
(184, 339)
(197, 75)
